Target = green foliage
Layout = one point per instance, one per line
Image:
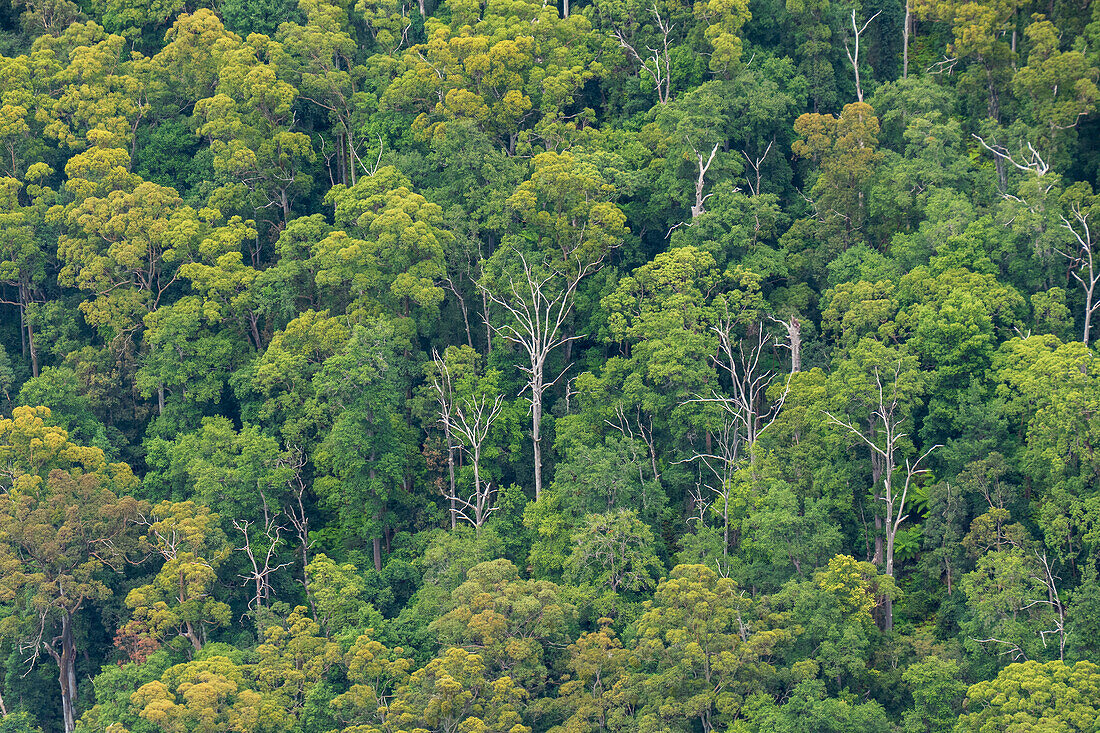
(1052, 695)
(433, 333)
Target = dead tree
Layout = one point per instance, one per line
(538, 303)
(747, 411)
(906, 26)
(296, 513)
(793, 327)
(1032, 161)
(444, 396)
(741, 360)
(756, 164)
(884, 440)
(262, 559)
(1054, 600)
(656, 62)
(471, 421)
(637, 430)
(722, 462)
(704, 166)
(1083, 267)
(853, 58)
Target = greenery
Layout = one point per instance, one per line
(716, 366)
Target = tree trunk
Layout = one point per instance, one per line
(488, 328)
(536, 437)
(66, 663)
(33, 349)
(1089, 308)
(876, 474)
(351, 162)
(255, 327)
(888, 606)
(451, 472)
(479, 505)
(905, 43)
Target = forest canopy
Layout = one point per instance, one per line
(521, 367)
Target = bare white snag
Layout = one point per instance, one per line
(444, 396)
(295, 460)
(538, 305)
(906, 24)
(1082, 261)
(1033, 162)
(468, 421)
(884, 442)
(853, 59)
(1054, 601)
(756, 164)
(700, 199)
(747, 411)
(261, 559)
(794, 341)
(656, 64)
(741, 361)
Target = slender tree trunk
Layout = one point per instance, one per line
(726, 522)
(284, 203)
(255, 328)
(1090, 292)
(33, 349)
(480, 505)
(451, 473)
(485, 317)
(905, 43)
(66, 663)
(876, 474)
(341, 170)
(536, 436)
(888, 606)
(351, 160)
(377, 541)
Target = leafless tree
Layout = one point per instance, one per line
(261, 555)
(853, 58)
(747, 411)
(1031, 161)
(793, 327)
(906, 26)
(296, 512)
(740, 359)
(471, 420)
(885, 442)
(756, 164)
(697, 210)
(721, 461)
(638, 429)
(1047, 580)
(443, 388)
(538, 303)
(1082, 261)
(655, 62)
